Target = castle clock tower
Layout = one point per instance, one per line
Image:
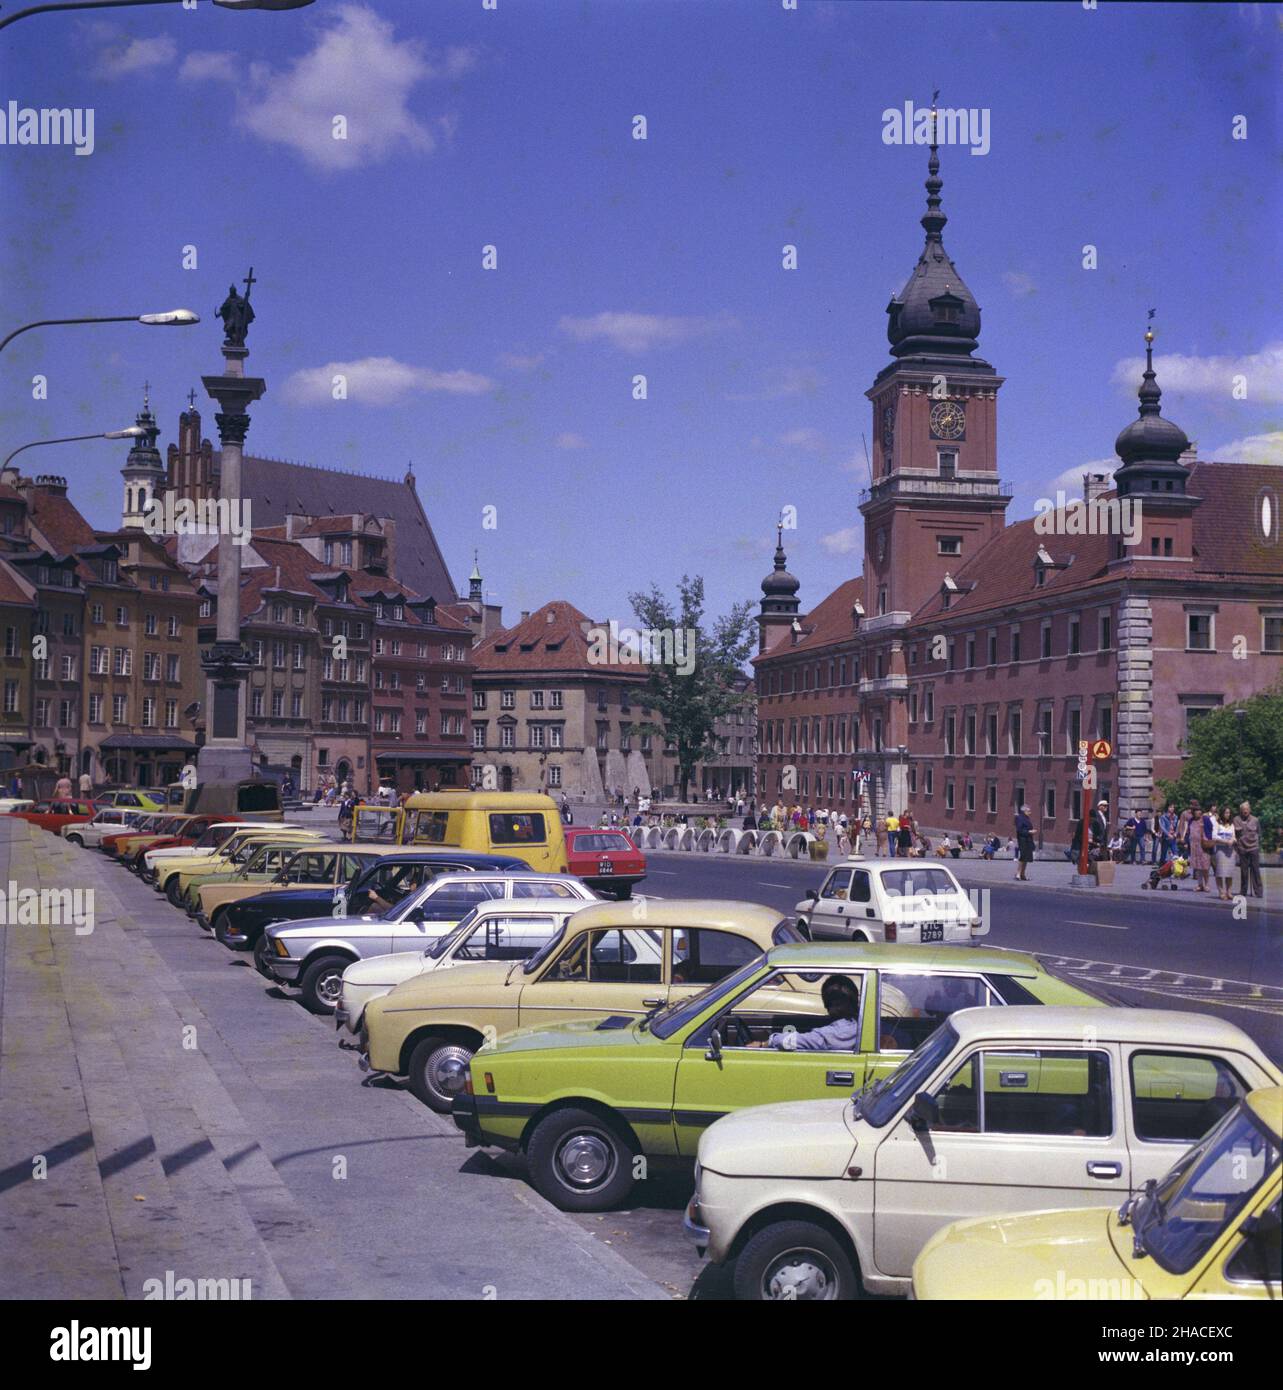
(935, 498)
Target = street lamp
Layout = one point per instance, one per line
(171, 318)
(133, 432)
(119, 4)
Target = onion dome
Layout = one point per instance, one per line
(780, 583)
(1150, 438)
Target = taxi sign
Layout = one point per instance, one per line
(1101, 749)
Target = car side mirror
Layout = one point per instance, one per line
(714, 1053)
(925, 1112)
(813, 894)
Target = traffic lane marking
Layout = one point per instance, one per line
(1220, 1001)
(1109, 926)
(1178, 976)
(763, 883)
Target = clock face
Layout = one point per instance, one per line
(948, 420)
(888, 427)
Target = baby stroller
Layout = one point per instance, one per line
(1165, 875)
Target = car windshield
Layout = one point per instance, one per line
(682, 1011)
(443, 944)
(1179, 1221)
(529, 967)
(881, 1102)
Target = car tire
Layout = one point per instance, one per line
(262, 954)
(322, 982)
(793, 1261)
(216, 922)
(172, 891)
(76, 840)
(221, 929)
(803, 930)
(436, 1071)
(580, 1161)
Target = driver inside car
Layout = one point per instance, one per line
(841, 1033)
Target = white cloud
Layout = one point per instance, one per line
(1019, 283)
(803, 438)
(357, 70)
(379, 381)
(204, 65)
(638, 332)
(128, 56)
(1252, 448)
(1213, 376)
(571, 441)
(843, 542)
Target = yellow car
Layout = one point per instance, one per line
(524, 824)
(1209, 1229)
(169, 870)
(611, 964)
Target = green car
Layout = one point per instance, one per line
(256, 863)
(584, 1100)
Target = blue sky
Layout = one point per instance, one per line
(512, 127)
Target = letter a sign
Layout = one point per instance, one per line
(1100, 750)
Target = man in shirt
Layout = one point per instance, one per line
(1247, 839)
(840, 1034)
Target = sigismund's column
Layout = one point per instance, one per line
(226, 664)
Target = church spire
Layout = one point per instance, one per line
(934, 219)
(1151, 444)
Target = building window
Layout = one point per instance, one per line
(256, 704)
(149, 713)
(122, 617)
(536, 736)
(913, 706)
(1045, 715)
(948, 462)
(66, 713)
(969, 732)
(1015, 645)
(507, 699)
(1199, 632)
(296, 704)
(1075, 628)
(68, 668)
(478, 699)
(1013, 730)
(948, 794)
(278, 704)
(507, 736)
(554, 775)
(1105, 721)
(991, 798)
(151, 666)
(971, 798)
(1049, 803)
(536, 699)
(122, 661)
(948, 545)
(172, 668)
(950, 734)
(1105, 635)
(929, 782)
(150, 626)
(554, 699)
(1046, 640)
(929, 705)
(95, 709)
(119, 709)
(479, 735)
(1073, 730)
(1272, 633)
(991, 732)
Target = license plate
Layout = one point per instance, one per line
(605, 867)
(932, 931)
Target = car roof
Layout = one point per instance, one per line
(680, 912)
(507, 907)
(460, 856)
(447, 800)
(863, 862)
(517, 876)
(1267, 1105)
(1166, 1027)
(851, 955)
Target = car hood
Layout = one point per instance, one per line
(579, 1033)
(797, 1139)
(313, 894)
(384, 970)
(1037, 1255)
(328, 926)
(461, 983)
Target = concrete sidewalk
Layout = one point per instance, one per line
(164, 1113)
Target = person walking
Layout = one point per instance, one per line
(1247, 839)
(1165, 841)
(1198, 828)
(1024, 843)
(905, 834)
(1223, 851)
(86, 785)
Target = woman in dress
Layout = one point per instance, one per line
(1223, 853)
(1196, 829)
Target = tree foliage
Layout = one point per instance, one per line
(1234, 758)
(692, 703)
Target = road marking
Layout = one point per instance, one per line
(1173, 984)
(672, 873)
(762, 883)
(1109, 926)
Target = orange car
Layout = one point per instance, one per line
(53, 815)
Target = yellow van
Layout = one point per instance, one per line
(523, 824)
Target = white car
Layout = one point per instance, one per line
(108, 822)
(1000, 1111)
(504, 931)
(314, 953)
(909, 901)
(213, 836)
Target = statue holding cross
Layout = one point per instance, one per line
(237, 313)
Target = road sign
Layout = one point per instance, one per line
(1100, 750)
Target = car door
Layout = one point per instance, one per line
(828, 915)
(599, 974)
(438, 911)
(1017, 1130)
(712, 1081)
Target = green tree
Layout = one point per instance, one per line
(1233, 758)
(692, 684)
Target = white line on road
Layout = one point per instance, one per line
(1109, 926)
(762, 883)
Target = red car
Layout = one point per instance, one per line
(187, 833)
(145, 823)
(606, 860)
(53, 815)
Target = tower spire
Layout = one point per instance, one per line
(934, 219)
(1149, 394)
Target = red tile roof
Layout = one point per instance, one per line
(12, 588)
(552, 638)
(826, 625)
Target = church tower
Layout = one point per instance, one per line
(144, 473)
(779, 600)
(935, 498)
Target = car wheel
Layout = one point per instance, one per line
(438, 1070)
(580, 1162)
(221, 921)
(172, 892)
(792, 1261)
(322, 983)
(262, 954)
(803, 929)
(76, 840)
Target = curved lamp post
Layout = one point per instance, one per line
(172, 318)
(118, 4)
(133, 432)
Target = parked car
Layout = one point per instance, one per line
(902, 900)
(206, 842)
(131, 798)
(612, 964)
(500, 931)
(9, 804)
(1210, 1228)
(187, 833)
(1000, 1110)
(656, 1085)
(524, 824)
(378, 889)
(315, 954)
(256, 864)
(143, 822)
(233, 851)
(109, 821)
(53, 815)
(250, 798)
(606, 860)
(141, 836)
(317, 866)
